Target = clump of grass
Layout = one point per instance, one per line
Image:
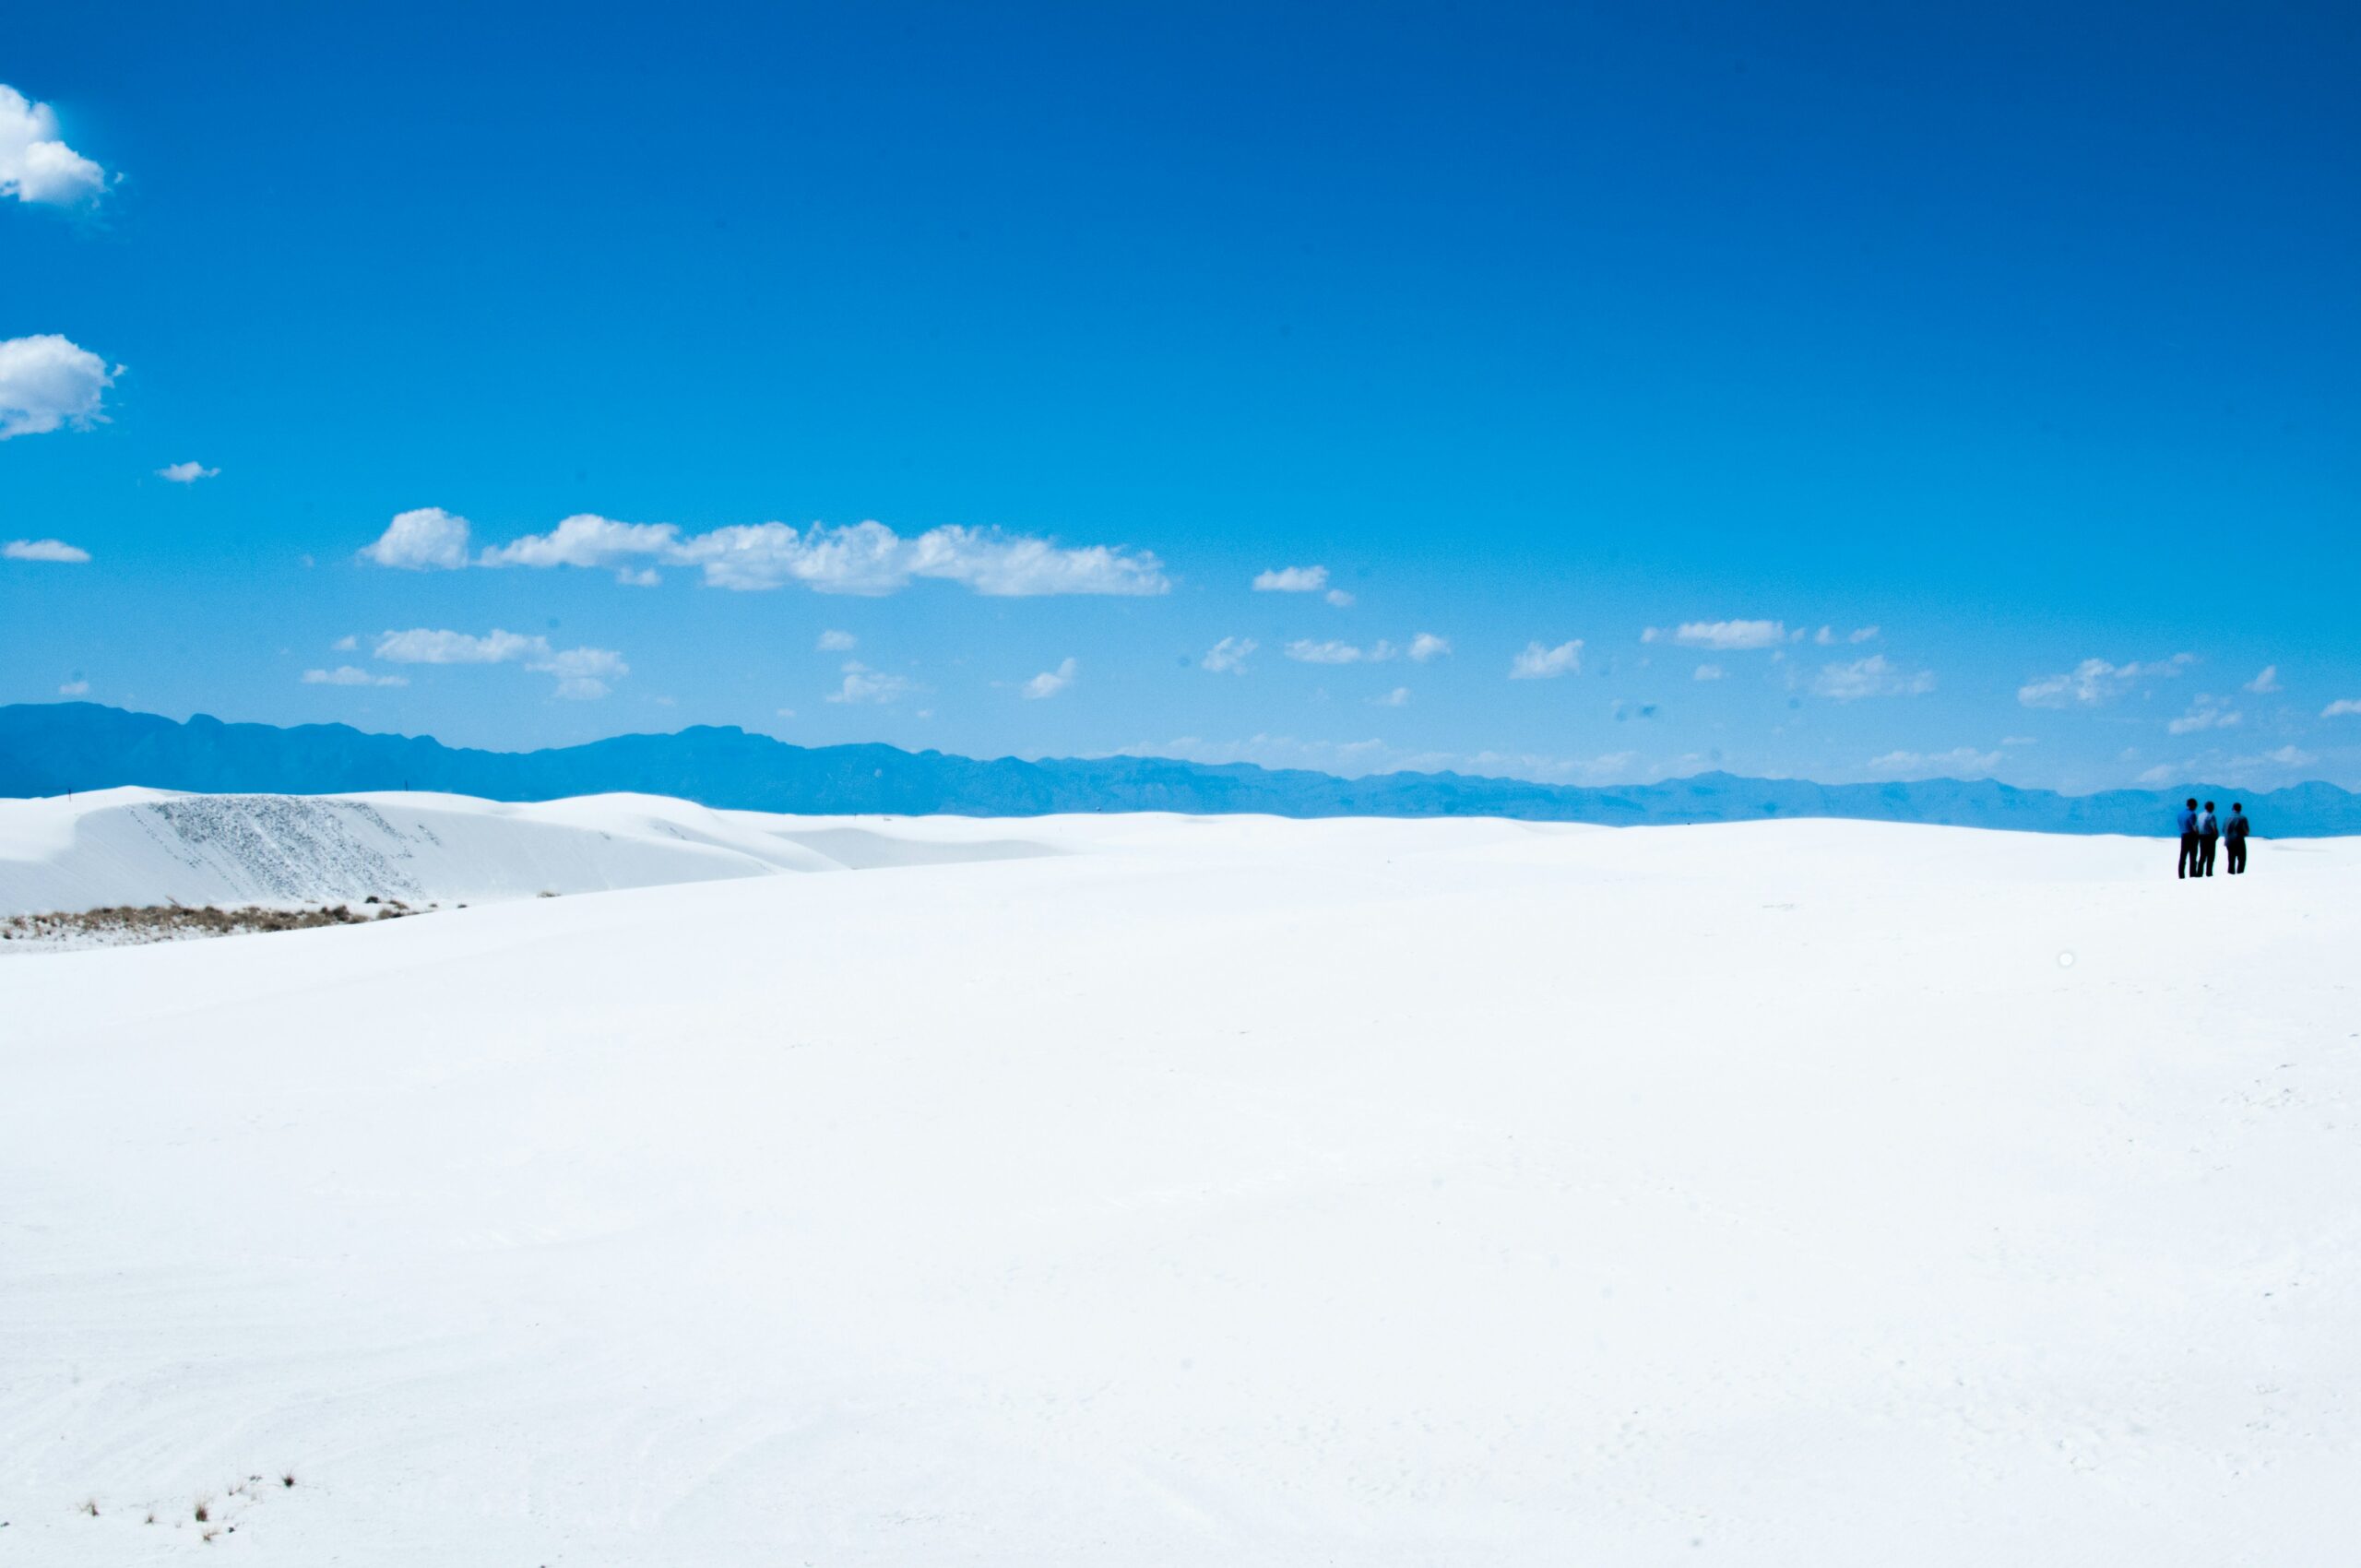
(287, 1479)
(204, 1509)
(167, 922)
(91, 1508)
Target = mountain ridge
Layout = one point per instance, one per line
(52, 748)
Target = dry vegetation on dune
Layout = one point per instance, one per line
(123, 924)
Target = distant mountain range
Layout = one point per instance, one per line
(50, 748)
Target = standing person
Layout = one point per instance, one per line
(2234, 830)
(2188, 837)
(2209, 834)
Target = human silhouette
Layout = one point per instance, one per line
(2236, 830)
(2189, 846)
(2209, 834)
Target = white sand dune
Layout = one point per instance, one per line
(153, 847)
(1211, 1191)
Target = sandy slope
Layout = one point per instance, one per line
(155, 846)
(1222, 1192)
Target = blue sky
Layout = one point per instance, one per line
(2015, 348)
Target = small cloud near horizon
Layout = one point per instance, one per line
(54, 550)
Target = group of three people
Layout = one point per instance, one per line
(2200, 831)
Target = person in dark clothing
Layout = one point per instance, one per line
(2188, 838)
(2234, 830)
(2209, 834)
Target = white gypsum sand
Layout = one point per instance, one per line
(1216, 1191)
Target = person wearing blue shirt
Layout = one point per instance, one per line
(2189, 846)
(2236, 830)
(2209, 834)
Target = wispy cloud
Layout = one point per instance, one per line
(835, 642)
(1709, 672)
(51, 549)
(2266, 680)
(351, 675)
(1050, 683)
(2341, 707)
(2208, 712)
(1427, 645)
(1539, 663)
(35, 163)
(1339, 598)
(1227, 657)
(1873, 677)
(1727, 636)
(186, 473)
(582, 672)
(1960, 762)
(865, 558)
(862, 684)
(75, 689)
(1291, 579)
(1398, 697)
(1306, 651)
(47, 382)
(2094, 682)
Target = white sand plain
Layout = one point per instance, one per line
(1204, 1191)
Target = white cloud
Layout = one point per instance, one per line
(582, 672)
(350, 675)
(35, 165)
(1538, 664)
(2284, 757)
(55, 550)
(865, 558)
(1227, 657)
(1425, 646)
(1291, 579)
(639, 576)
(835, 642)
(1398, 697)
(1870, 677)
(344, 645)
(1305, 650)
(185, 473)
(1050, 683)
(2208, 712)
(2019, 741)
(422, 646)
(2340, 707)
(865, 684)
(1709, 672)
(46, 381)
(1340, 599)
(1961, 761)
(2095, 680)
(584, 540)
(1860, 633)
(1726, 637)
(427, 537)
(2266, 680)
(75, 689)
